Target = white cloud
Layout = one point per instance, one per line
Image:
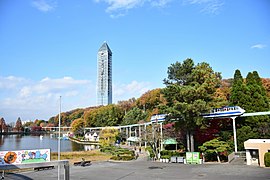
(161, 3)
(118, 8)
(127, 91)
(258, 46)
(31, 99)
(11, 82)
(115, 5)
(55, 85)
(25, 92)
(206, 6)
(44, 5)
(39, 99)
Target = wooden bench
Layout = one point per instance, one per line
(43, 168)
(82, 163)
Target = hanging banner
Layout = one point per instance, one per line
(24, 156)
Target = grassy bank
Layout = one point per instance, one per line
(94, 155)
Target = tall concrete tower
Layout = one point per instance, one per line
(104, 81)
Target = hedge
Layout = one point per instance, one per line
(267, 159)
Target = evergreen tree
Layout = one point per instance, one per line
(133, 116)
(239, 93)
(259, 101)
(189, 92)
(251, 96)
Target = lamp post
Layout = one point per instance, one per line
(59, 135)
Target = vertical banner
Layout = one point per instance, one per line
(24, 156)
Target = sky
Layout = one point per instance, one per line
(48, 48)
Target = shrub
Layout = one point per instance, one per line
(267, 159)
(119, 153)
(150, 150)
(164, 152)
(165, 157)
(122, 158)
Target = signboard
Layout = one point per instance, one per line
(24, 156)
(158, 118)
(189, 157)
(193, 157)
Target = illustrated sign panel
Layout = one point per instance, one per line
(24, 156)
(193, 157)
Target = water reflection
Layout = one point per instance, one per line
(48, 141)
(83, 147)
(2, 140)
(90, 147)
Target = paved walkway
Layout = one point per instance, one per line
(147, 170)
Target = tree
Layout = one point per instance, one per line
(152, 136)
(189, 92)
(18, 125)
(258, 101)
(108, 136)
(244, 133)
(215, 146)
(266, 85)
(252, 96)
(150, 100)
(133, 116)
(109, 115)
(127, 105)
(77, 126)
(3, 126)
(239, 92)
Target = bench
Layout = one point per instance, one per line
(82, 163)
(43, 168)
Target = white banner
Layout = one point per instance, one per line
(25, 156)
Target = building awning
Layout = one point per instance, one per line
(170, 141)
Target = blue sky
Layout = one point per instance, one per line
(49, 47)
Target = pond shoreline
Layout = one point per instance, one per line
(83, 141)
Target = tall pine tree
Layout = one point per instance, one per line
(251, 96)
(189, 92)
(259, 101)
(239, 93)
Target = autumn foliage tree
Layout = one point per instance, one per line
(18, 125)
(127, 105)
(77, 126)
(108, 136)
(3, 126)
(109, 115)
(150, 100)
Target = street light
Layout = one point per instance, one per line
(59, 135)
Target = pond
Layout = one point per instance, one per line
(48, 141)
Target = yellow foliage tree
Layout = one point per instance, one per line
(108, 136)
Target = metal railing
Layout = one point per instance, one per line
(64, 163)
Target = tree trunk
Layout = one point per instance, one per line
(218, 157)
(188, 141)
(191, 142)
